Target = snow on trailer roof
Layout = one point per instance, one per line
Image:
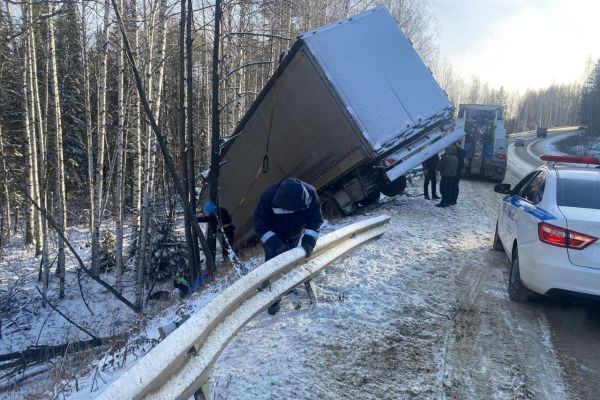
(378, 75)
(480, 106)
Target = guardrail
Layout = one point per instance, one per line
(181, 364)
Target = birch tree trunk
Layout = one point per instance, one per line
(137, 119)
(99, 166)
(40, 126)
(60, 175)
(34, 128)
(147, 186)
(119, 166)
(28, 153)
(6, 221)
(88, 119)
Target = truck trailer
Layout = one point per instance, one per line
(351, 109)
(485, 140)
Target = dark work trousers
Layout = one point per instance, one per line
(447, 189)
(430, 176)
(455, 188)
(290, 243)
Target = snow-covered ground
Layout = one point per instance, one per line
(407, 316)
(590, 147)
(419, 313)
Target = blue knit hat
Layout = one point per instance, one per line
(291, 195)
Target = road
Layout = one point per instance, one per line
(421, 313)
(574, 327)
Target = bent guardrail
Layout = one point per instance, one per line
(179, 365)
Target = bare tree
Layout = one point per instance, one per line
(119, 171)
(99, 165)
(60, 194)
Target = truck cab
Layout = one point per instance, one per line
(541, 132)
(485, 140)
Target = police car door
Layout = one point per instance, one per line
(528, 214)
(507, 229)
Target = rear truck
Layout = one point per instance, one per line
(485, 140)
(541, 132)
(351, 109)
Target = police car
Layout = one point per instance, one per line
(549, 225)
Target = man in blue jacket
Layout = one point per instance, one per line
(284, 211)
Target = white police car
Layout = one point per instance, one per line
(549, 225)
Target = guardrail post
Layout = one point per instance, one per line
(204, 392)
(311, 290)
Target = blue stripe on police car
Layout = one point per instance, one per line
(529, 208)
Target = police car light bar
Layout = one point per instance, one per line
(571, 159)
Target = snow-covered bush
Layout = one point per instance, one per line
(166, 252)
(107, 252)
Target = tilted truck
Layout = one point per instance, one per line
(350, 109)
(485, 140)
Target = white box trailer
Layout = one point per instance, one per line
(350, 109)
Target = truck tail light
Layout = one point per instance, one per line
(557, 236)
(501, 156)
(388, 162)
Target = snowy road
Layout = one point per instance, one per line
(574, 328)
(421, 313)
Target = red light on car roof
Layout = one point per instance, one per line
(571, 159)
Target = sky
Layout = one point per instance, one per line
(519, 44)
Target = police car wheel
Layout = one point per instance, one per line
(516, 290)
(497, 243)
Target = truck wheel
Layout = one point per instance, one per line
(395, 187)
(371, 199)
(497, 242)
(330, 208)
(516, 290)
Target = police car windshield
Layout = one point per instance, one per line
(580, 193)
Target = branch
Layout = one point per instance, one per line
(257, 34)
(81, 328)
(26, 27)
(242, 67)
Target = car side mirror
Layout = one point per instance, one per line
(502, 188)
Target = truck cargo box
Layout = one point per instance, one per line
(345, 97)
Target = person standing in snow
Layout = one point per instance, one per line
(430, 173)
(447, 167)
(284, 212)
(460, 155)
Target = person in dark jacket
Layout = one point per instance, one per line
(447, 167)
(430, 173)
(460, 155)
(284, 212)
(221, 217)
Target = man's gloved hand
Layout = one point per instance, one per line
(276, 245)
(308, 244)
